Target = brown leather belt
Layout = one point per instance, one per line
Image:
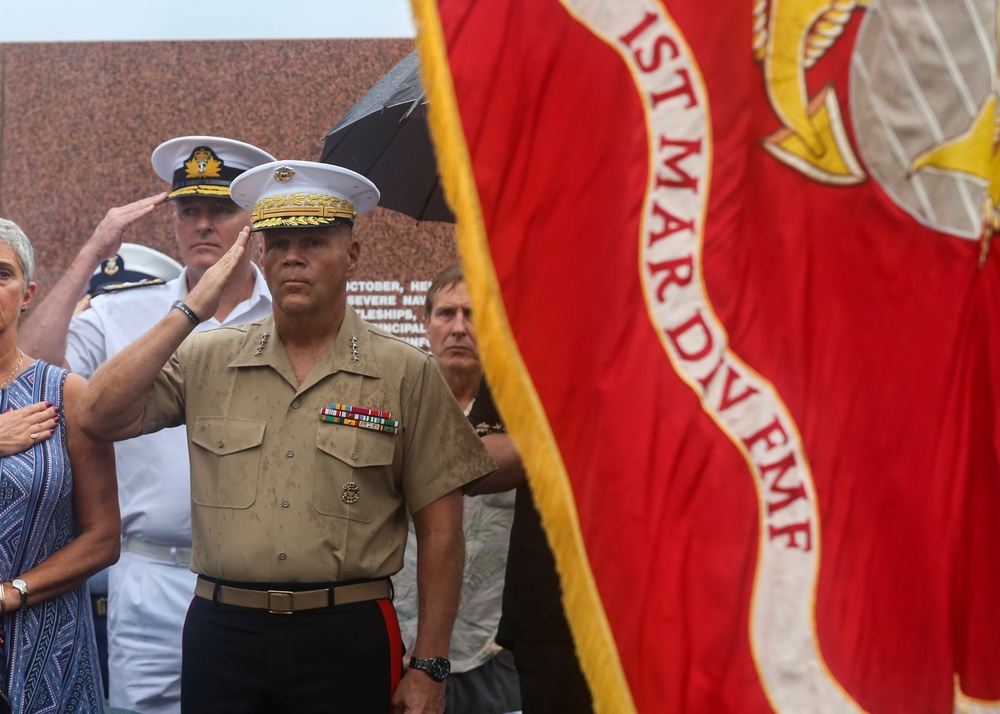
(285, 602)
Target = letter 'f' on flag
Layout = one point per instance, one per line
(740, 308)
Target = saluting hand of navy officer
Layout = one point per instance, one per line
(110, 232)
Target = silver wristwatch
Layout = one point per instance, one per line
(21, 587)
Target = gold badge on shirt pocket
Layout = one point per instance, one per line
(350, 493)
(360, 417)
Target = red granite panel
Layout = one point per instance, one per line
(78, 122)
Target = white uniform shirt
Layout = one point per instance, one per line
(154, 479)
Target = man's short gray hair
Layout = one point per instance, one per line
(19, 243)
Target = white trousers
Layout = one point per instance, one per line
(147, 602)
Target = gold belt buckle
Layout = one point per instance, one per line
(279, 602)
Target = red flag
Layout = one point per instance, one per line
(738, 305)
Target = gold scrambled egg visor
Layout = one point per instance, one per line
(300, 210)
(203, 190)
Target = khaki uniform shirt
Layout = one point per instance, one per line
(279, 495)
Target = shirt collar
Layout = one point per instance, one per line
(261, 295)
(351, 351)
(180, 285)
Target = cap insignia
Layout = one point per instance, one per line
(111, 265)
(203, 164)
(283, 173)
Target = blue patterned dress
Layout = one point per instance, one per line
(50, 659)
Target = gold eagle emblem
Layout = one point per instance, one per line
(789, 37)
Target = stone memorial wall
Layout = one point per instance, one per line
(79, 120)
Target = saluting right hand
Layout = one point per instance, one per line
(108, 235)
(204, 297)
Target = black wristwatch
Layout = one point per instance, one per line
(438, 668)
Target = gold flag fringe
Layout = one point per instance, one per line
(512, 387)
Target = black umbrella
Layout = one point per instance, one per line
(385, 137)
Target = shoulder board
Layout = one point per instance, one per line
(119, 287)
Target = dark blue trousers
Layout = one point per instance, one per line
(241, 660)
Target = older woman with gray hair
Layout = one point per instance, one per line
(58, 515)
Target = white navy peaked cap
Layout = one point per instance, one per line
(204, 165)
(133, 266)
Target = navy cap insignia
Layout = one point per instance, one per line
(203, 164)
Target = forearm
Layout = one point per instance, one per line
(112, 407)
(439, 584)
(510, 472)
(89, 553)
(440, 560)
(43, 334)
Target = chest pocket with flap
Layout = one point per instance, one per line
(226, 461)
(349, 455)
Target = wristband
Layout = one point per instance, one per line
(189, 312)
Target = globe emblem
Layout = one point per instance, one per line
(922, 96)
